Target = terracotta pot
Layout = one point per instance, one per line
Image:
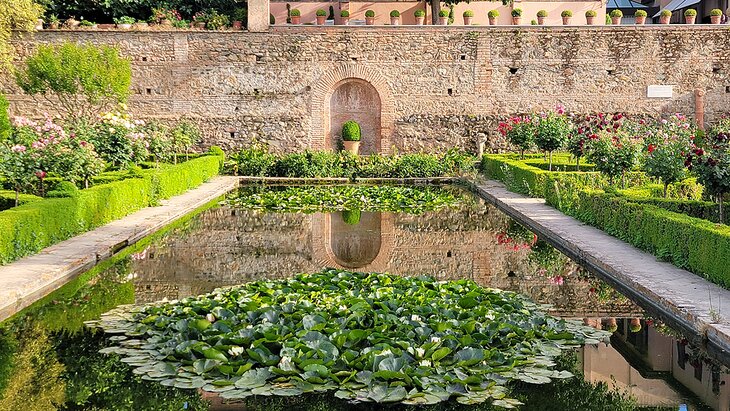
(566, 21)
(321, 20)
(296, 19)
(420, 20)
(395, 21)
(640, 20)
(516, 21)
(352, 146)
(370, 21)
(616, 21)
(165, 23)
(53, 26)
(237, 25)
(443, 21)
(468, 20)
(344, 21)
(590, 20)
(715, 19)
(124, 26)
(540, 21)
(689, 19)
(200, 25)
(492, 21)
(664, 19)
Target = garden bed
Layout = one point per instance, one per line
(33, 226)
(652, 224)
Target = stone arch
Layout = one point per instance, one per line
(350, 75)
(324, 256)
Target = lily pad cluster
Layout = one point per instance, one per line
(312, 199)
(367, 337)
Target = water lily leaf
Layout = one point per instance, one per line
(469, 356)
(202, 366)
(253, 378)
(318, 369)
(440, 353)
(199, 324)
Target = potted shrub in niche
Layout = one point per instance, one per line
(238, 16)
(468, 17)
(124, 22)
(54, 22)
(616, 16)
(321, 16)
(715, 16)
(420, 16)
(443, 17)
(640, 17)
(516, 16)
(351, 136)
(492, 15)
(395, 18)
(351, 217)
(689, 16)
(296, 16)
(200, 19)
(591, 17)
(345, 17)
(665, 16)
(566, 15)
(541, 17)
(369, 17)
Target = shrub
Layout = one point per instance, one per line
(239, 14)
(552, 132)
(542, 13)
(82, 80)
(711, 162)
(715, 12)
(468, 13)
(351, 131)
(443, 13)
(516, 12)
(640, 13)
(614, 154)
(394, 13)
(216, 21)
(351, 217)
(295, 13)
(665, 13)
(616, 13)
(184, 136)
(19, 15)
(690, 13)
(666, 150)
(64, 189)
(419, 13)
(344, 14)
(125, 20)
(493, 14)
(519, 131)
(322, 12)
(5, 127)
(591, 13)
(566, 13)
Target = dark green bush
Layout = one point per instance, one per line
(351, 217)
(31, 227)
(351, 131)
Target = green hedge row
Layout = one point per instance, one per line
(7, 199)
(697, 245)
(33, 226)
(656, 225)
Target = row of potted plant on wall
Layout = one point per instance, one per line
(468, 16)
(161, 18)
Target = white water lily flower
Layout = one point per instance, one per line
(235, 350)
(425, 363)
(386, 352)
(435, 339)
(410, 350)
(415, 317)
(210, 317)
(420, 352)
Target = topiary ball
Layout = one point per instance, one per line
(351, 131)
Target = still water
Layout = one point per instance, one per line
(49, 360)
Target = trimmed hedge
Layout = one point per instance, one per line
(7, 199)
(31, 227)
(652, 224)
(697, 245)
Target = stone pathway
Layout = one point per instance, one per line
(30, 279)
(687, 302)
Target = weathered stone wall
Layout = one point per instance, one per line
(439, 87)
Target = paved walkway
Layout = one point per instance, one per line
(30, 279)
(684, 300)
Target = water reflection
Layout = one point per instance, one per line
(226, 246)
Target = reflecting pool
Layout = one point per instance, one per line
(50, 360)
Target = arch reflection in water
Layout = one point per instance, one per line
(355, 242)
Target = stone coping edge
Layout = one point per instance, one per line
(337, 180)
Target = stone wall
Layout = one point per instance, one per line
(438, 87)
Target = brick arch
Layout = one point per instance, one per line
(323, 90)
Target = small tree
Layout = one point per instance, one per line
(77, 80)
(5, 127)
(17, 166)
(551, 133)
(520, 132)
(666, 149)
(711, 162)
(185, 135)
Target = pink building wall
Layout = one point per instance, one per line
(480, 8)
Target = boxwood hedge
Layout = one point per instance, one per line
(35, 225)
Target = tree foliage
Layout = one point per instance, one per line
(5, 126)
(15, 15)
(77, 80)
